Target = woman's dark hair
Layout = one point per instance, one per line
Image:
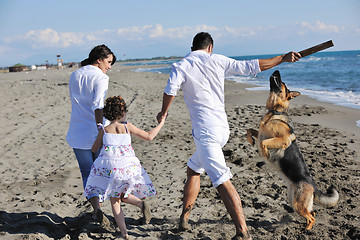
(115, 108)
(201, 41)
(98, 52)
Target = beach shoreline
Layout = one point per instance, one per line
(42, 192)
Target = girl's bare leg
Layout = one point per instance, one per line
(119, 216)
(144, 207)
(131, 199)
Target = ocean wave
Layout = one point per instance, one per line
(151, 62)
(242, 79)
(153, 69)
(347, 99)
(316, 59)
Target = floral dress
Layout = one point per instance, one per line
(117, 171)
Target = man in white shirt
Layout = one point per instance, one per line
(201, 74)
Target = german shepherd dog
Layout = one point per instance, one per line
(277, 143)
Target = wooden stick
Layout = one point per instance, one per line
(316, 48)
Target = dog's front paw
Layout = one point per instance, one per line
(250, 139)
(250, 136)
(264, 151)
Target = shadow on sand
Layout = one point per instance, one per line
(49, 224)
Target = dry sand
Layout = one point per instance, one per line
(41, 190)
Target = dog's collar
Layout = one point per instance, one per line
(278, 113)
(288, 122)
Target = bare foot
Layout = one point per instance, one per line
(146, 212)
(102, 219)
(242, 236)
(184, 223)
(126, 236)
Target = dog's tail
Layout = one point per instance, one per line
(328, 199)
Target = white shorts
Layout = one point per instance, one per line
(209, 156)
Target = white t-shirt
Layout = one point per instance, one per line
(201, 76)
(88, 86)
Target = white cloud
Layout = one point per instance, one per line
(67, 39)
(242, 31)
(47, 36)
(134, 33)
(157, 31)
(318, 27)
(50, 38)
(156, 40)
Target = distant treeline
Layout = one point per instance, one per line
(72, 64)
(149, 59)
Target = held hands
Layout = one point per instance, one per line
(291, 57)
(161, 117)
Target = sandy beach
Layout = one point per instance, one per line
(42, 194)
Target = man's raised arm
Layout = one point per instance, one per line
(268, 63)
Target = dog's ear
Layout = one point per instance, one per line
(275, 82)
(294, 94)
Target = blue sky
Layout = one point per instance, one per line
(33, 31)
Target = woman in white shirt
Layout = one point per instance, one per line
(88, 86)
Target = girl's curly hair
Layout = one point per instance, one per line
(115, 108)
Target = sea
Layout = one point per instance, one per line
(326, 76)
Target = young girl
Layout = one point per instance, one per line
(117, 172)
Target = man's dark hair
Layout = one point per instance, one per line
(201, 41)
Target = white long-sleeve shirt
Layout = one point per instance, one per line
(88, 86)
(201, 76)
